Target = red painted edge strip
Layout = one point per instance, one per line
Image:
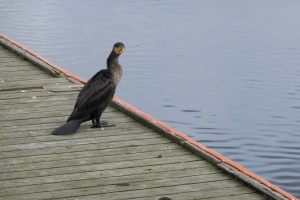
(167, 127)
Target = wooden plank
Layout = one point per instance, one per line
(85, 130)
(84, 147)
(7, 55)
(84, 159)
(46, 129)
(10, 58)
(11, 95)
(15, 60)
(96, 164)
(159, 188)
(52, 81)
(6, 96)
(66, 107)
(16, 65)
(235, 195)
(36, 72)
(16, 114)
(58, 120)
(87, 153)
(92, 133)
(54, 124)
(42, 114)
(66, 143)
(107, 173)
(17, 135)
(130, 191)
(121, 124)
(95, 180)
(232, 193)
(38, 102)
(25, 97)
(21, 110)
(32, 83)
(6, 52)
(26, 77)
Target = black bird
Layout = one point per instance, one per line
(95, 96)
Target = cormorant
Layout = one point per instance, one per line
(95, 96)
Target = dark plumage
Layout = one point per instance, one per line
(95, 96)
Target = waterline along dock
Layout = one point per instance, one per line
(139, 158)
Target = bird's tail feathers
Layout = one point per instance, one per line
(68, 128)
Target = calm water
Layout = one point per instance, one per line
(226, 73)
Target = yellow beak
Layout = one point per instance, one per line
(119, 49)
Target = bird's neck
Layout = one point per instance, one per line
(112, 60)
(114, 67)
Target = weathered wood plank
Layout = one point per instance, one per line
(84, 130)
(75, 166)
(32, 83)
(68, 108)
(121, 128)
(55, 124)
(237, 195)
(16, 65)
(5, 51)
(60, 120)
(232, 193)
(108, 132)
(9, 55)
(33, 105)
(64, 142)
(108, 173)
(45, 114)
(160, 189)
(85, 159)
(27, 99)
(87, 153)
(109, 113)
(4, 58)
(26, 77)
(94, 181)
(10, 95)
(143, 187)
(16, 59)
(38, 128)
(85, 147)
(21, 74)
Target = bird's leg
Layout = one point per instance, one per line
(99, 124)
(94, 121)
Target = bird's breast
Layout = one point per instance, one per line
(117, 76)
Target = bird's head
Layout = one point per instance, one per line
(119, 48)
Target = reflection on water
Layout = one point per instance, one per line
(226, 73)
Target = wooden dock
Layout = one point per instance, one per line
(136, 159)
